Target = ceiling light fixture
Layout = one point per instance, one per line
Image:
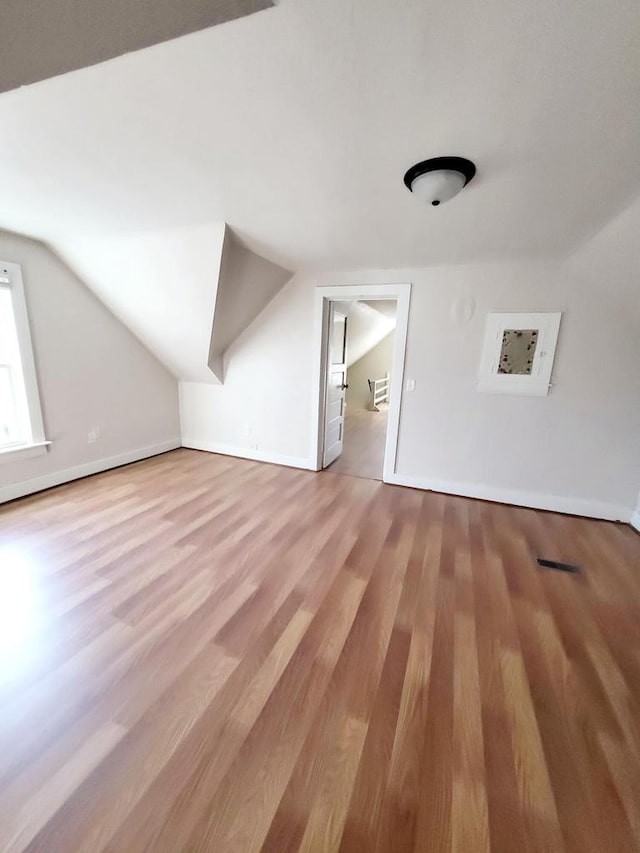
(439, 179)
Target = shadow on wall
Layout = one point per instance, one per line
(246, 285)
(264, 405)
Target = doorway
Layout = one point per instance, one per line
(360, 340)
(360, 357)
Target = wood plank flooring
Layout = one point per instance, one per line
(365, 434)
(201, 653)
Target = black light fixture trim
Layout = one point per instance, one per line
(455, 164)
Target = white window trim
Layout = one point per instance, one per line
(23, 451)
(37, 444)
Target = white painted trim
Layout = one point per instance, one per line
(538, 383)
(534, 500)
(23, 451)
(57, 478)
(247, 453)
(323, 295)
(489, 386)
(21, 316)
(635, 520)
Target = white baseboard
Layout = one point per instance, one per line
(247, 453)
(57, 478)
(534, 500)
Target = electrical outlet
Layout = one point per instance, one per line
(253, 445)
(91, 437)
(410, 384)
(246, 430)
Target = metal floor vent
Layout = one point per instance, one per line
(562, 567)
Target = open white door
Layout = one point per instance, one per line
(336, 385)
(330, 385)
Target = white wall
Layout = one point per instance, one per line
(264, 405)
(373, 365)
(609, 264)
(92, 372)
(575, 450)
(570, 450)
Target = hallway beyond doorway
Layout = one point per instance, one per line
(332, 378)
(364, 440)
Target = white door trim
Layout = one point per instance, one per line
(323, 295)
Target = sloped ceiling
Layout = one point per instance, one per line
(387, 307)
(366, 327)
(163, 285)
(43, 38)
(296, 125)
(186, 293)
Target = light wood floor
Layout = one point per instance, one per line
(363, 447)
(207, 654)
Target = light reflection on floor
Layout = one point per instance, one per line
(21, 611)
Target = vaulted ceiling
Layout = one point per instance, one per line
(43, 38)
(368, 324)
(296, 125)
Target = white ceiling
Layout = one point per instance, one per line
(42, 38)
(365, 329)
(386, 307)
(296, 125)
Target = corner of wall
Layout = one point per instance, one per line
(106, 399)
(247, 283)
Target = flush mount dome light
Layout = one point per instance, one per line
(439, 179)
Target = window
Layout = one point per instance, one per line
(21, 426)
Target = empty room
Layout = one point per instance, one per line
(319, 426)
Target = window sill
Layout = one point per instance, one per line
(23, 451)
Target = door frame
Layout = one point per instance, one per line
(351, 293)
